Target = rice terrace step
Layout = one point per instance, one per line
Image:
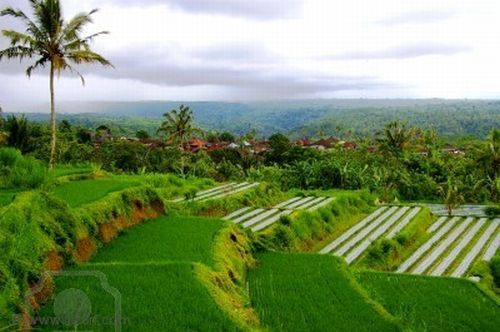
(257, 219)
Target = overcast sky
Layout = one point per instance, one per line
(277, 49)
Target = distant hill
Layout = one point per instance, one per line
(451, 118)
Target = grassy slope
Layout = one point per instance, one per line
(165, 295)
(308, 292)
(433, 304)
(77, 193)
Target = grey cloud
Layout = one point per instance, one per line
(255, 9)
(258, 82)
(416, 17)
(403, 52)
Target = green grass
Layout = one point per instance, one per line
(165, 297)
(309, 292)
(77, 193)
(433, 304)
(186, 239)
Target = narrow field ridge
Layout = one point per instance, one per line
(471, 256)
(431, 258)
(441, 268)
(437, 224)
(357, 251)
(352, 230)
(363, 233)
(270, 221)
(402, 224)
(427, 245)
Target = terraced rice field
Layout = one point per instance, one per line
(220, 191)
(152, 267)
(258, 219)
(456, 244)
(384, 222)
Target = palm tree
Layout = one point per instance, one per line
(178, 125)
(178, 128)
(51, 41)
(396, 137)
(452, 198)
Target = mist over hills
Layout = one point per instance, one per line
(452, 118)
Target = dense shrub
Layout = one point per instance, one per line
(18, 171)
(495, 269)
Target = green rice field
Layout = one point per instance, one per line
(433, 304)
(78, 193)
(309, 292)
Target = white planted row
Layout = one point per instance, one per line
(437, 224)
(431, 258)
(299, 203)
(259, 218)
(221, 190)
(236, 213)
(234, 191)
(362, 234)
(471, 256)
(402, 224)
(357, 251)
(270, 221)
(208, 191)
(492, 248)
(285, 203)
(321, 204)
(426, 246)
(248, 215)
(452, 256)
(352, 230)
(312, 203)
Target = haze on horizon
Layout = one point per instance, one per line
(276, 49)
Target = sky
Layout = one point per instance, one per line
(232, 50)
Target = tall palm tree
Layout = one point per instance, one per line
(452, 197)
(51, 41)
(178, 127)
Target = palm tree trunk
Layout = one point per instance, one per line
(52, 120)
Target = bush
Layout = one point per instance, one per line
(18, 171)
(495, 269)
(492, 211)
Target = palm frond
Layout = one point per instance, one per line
(20, 52)
(87, 57)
